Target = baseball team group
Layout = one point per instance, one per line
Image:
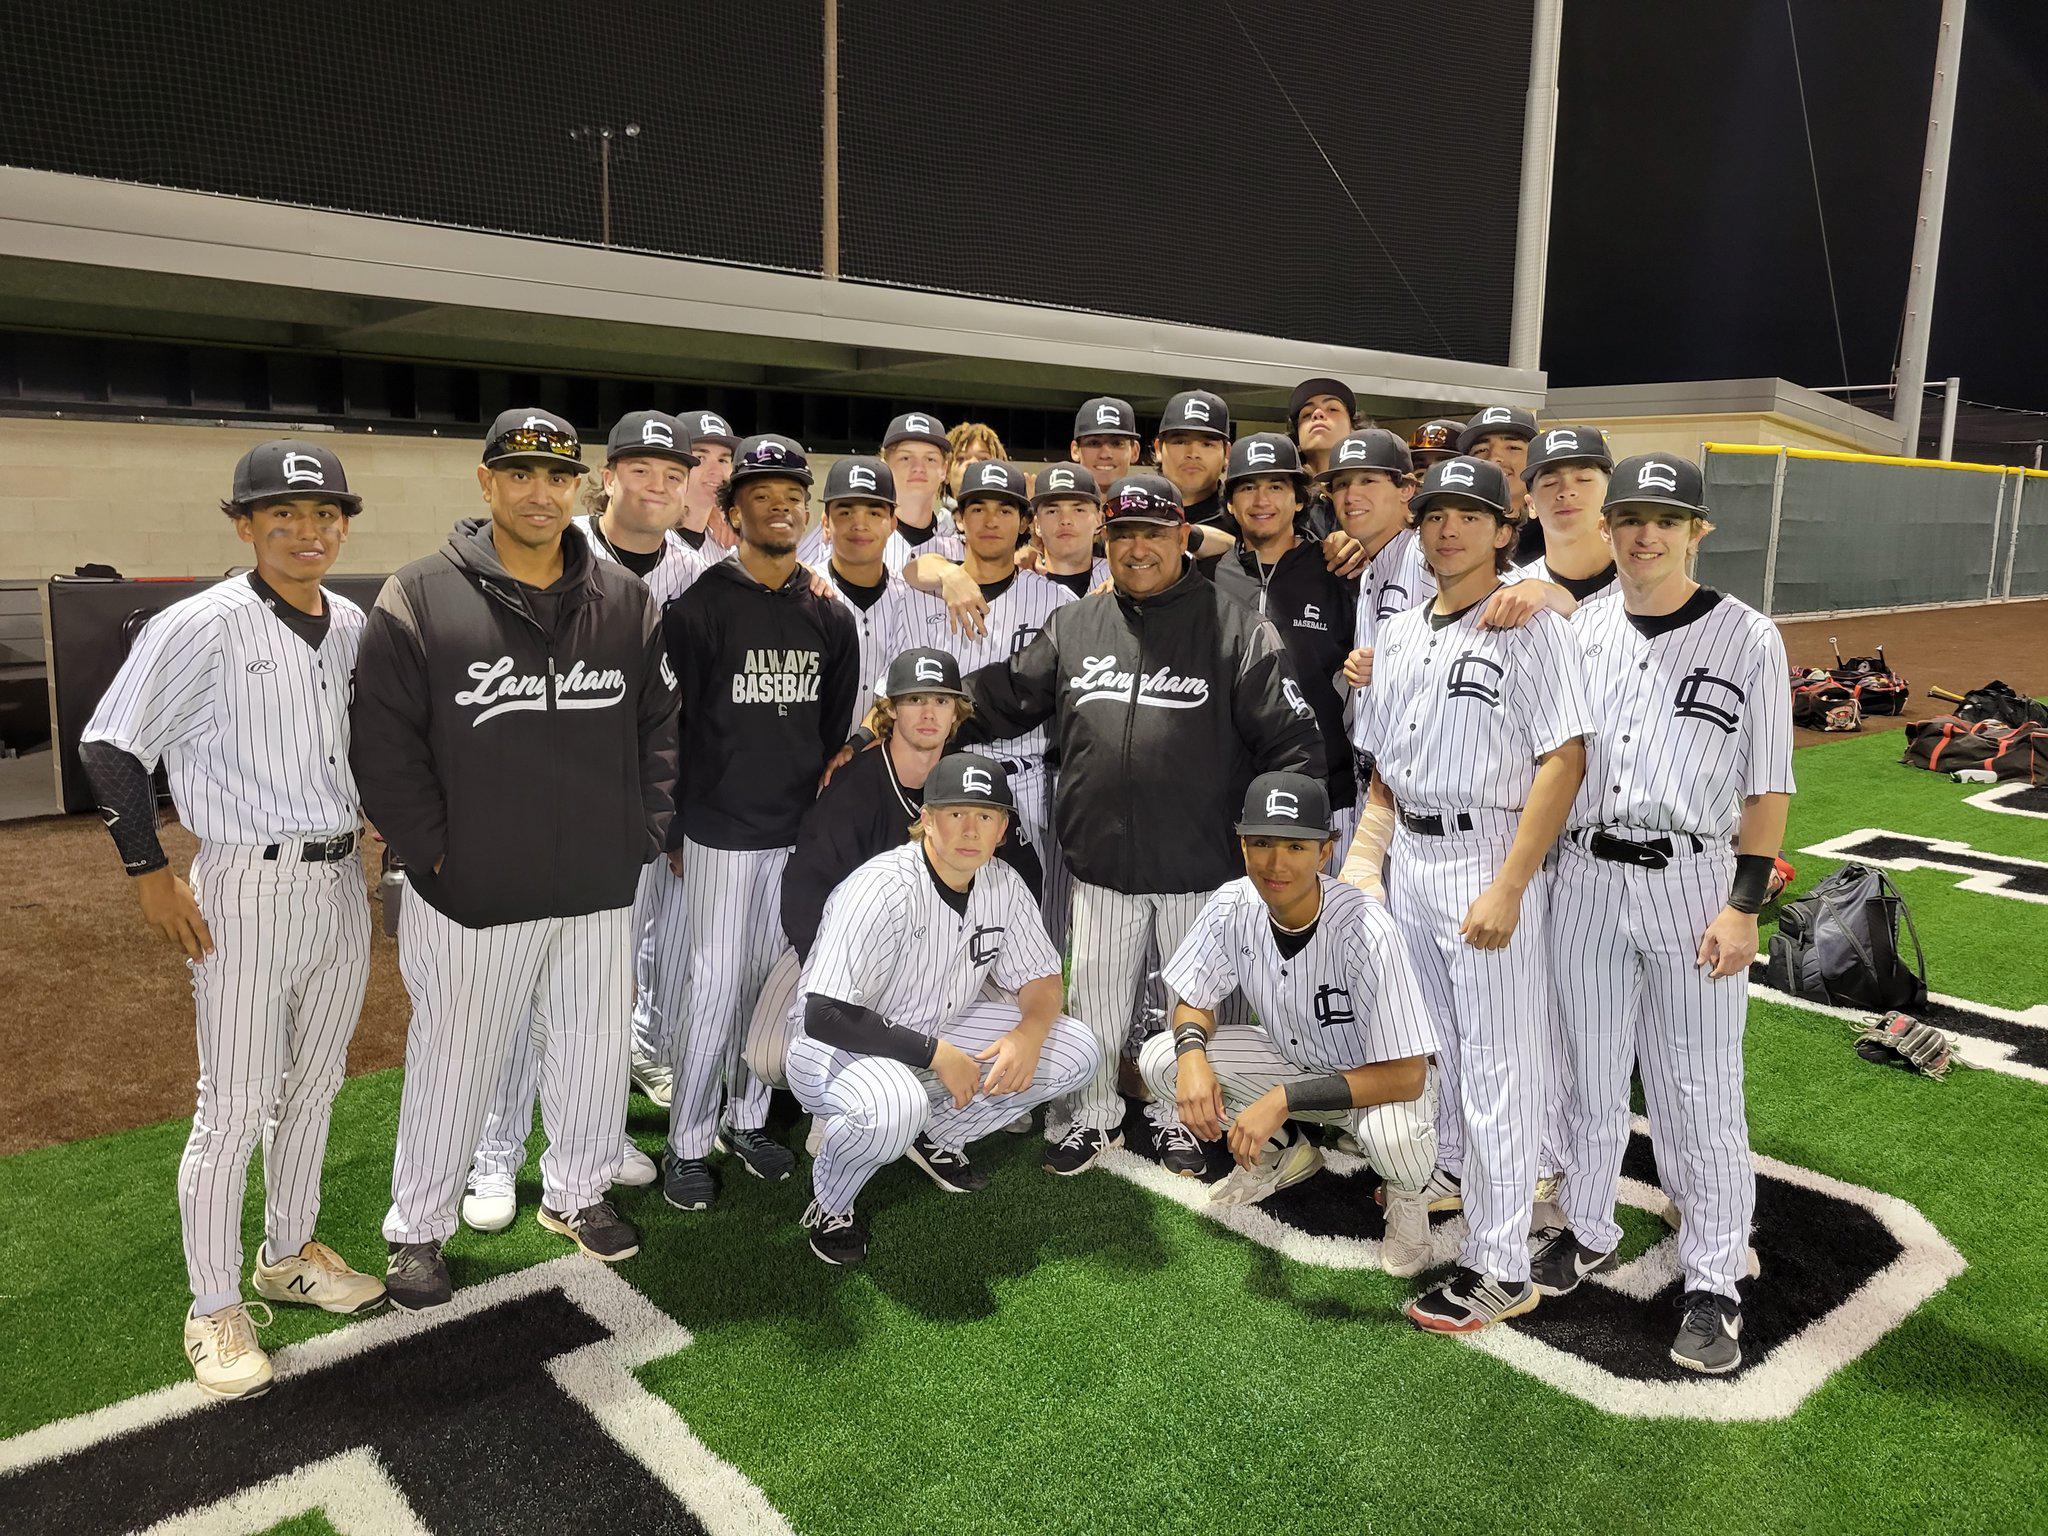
(1268, 794)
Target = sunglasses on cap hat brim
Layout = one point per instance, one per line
(523, 444)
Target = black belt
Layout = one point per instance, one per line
(1652, 853)
(325, 851)
(1436, 825)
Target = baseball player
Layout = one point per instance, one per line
(859, 522)
(241, 691)
(1165, 698)
(630, 517)
(1476, 737)
(1433, 442)
(1566, 472)
(1653, 916)
(868, 808)
(1320, 414)
(1342, 1035)
(766, 671)
(917, 451)
(968, 441)
(1192, 442)
(1066, 523)
(1106, 439)
(710, 440)
(1283, 576)
(900, 1051)
(1500, 434)
(514, 657)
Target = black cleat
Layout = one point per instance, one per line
(1077, 1151)
(597, 1229)
(759, 1154)
(686, 1182)
(949, 1170)
(1709, 1338)
(1561, 1261)
(416, 1277)
(841, 1240)
(1179, 1151)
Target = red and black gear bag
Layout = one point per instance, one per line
(1948, 742)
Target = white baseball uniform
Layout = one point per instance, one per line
(1348, 999)
(815, 548)
(251, 721)
(1455, 720)
(888, 626)
(1696, 718)
(891, 943)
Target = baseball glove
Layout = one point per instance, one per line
(1900, 1040)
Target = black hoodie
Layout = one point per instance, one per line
(516, 748)
(767, 680)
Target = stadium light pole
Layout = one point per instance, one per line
(602, 137)
(828, 181)
(1532, 217)
(1911, 386)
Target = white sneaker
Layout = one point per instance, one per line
(635, 1167)
(1275, 1170)
(488, 1207)
(316, 1276)
(652, 1078)
(814, 1138)
(226, 1359)
(1404, 1250)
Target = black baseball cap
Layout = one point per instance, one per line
(1196, 410)
(1438, 438)
(769, 454)
(1374, 448)
(1285, 805)
(533, 436)
(1263, 453)
(992, 477)
(917, 427)
(647, 433)
(1566, 445)
(924, 669)
(1466, 477)
(1510, 419)
(1308, 389)
(968, 778)
(1658, 480)
(858, 477)
(291, 466)
(1105, 416)
(1066, 478)
(705, 427)
(1144, 499)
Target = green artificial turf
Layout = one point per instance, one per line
(1079, 1355)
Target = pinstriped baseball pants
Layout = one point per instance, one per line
(1625, 944)
(275, 1005)
(568, 982)
(1111, 929)
(766, 1053)
(870, 1108)
(1493, 1029)
(1398, 1139)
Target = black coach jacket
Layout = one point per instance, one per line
(533, 765)
(1163, 711)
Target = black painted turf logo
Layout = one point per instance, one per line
(1991, 874)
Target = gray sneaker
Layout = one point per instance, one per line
(416, 1277)
(759, 1154)
(597, 1229)
(1709, 1338)
(1561, 1261)
(686, 1182)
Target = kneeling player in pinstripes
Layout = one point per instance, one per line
(899, 1051)
(1342, 1034)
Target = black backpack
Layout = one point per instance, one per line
(1839, 943)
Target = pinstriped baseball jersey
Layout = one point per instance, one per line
(887, 627)
(671, 577)
(1395, 580)
(1349, 999)
(1696, 716)
(1016, 615)
(250, 721)
(1457, 715)
(890, 943)
(815, 549)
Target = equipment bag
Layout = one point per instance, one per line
(1839, 944)
(1949, 742)
(1878, 689)
(1819, 703)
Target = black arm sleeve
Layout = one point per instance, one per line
(127, 801)
(1011, 697)
(849, 1027)
(1023, 858)
(657, 726)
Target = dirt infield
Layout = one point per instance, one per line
(103, 1010)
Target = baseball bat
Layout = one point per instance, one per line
(1943, 693)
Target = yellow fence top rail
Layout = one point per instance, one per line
(1874, 458)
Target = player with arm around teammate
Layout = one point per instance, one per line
(1653, 917)
(1342, 1034)
(900, 1052)
(242, 692)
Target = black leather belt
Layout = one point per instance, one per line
(1436, 824)
(1651, 853)
(326, 851)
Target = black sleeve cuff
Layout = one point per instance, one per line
(127, 801)
(850, 1027)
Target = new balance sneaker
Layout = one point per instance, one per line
(1276, 1169)
(316, 1276)
(597, 1229)
(653, 1079)
(837, 1239)
(1180, 1152)
(226, 1359)
(686, 1182)
(636, 1168)
(1468, 1302)
(1077, 1151)
(1404, 1250)
(1561, 1261)
(416, 1277)
(1710, 1334)
(489, 1205)
(758, 1153)
(948, 1169)
(1440, 1192)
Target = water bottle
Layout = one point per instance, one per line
(1974, 776)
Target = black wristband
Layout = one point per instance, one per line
(1189, 1037)
(1751, 887)
(861, 739)
(1328, 1092)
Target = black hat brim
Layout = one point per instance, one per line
(1282, 829)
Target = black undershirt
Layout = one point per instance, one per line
(1651, 625)
(1077, 582)
(1583, 587)
(914, 535)
(991, 590)
(1292, 944)
(861, 597)
(694, 537)
(1446, 620)
(309, 627)
(957, 900)
(636, 562)
(545, 603)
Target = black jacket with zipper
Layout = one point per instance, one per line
(1163, 710)
(767, 680)
(532, 764)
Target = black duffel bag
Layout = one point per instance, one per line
(1839, 943)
